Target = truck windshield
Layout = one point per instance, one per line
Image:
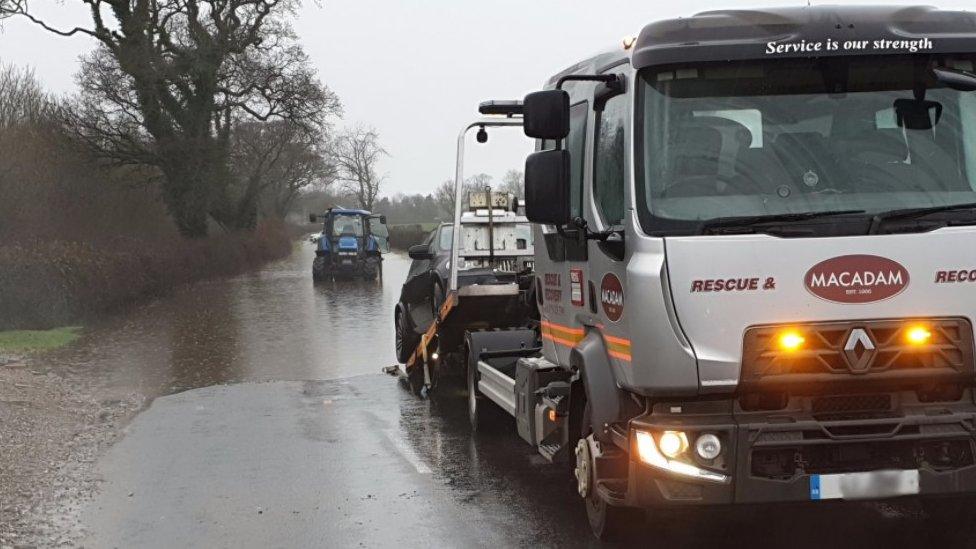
(786, 136)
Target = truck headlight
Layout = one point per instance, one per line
(651, 453)
(673, 443)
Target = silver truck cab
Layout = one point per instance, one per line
(755, 235)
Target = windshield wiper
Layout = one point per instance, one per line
(754, 220)
(909, 213)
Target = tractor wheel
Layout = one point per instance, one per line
(370, 269)
(319, 266)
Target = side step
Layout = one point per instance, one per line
(497, 386)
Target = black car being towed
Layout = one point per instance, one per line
(424, 290)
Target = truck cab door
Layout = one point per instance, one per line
(561, 259)
(608, 182)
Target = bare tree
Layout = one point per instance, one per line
(272, 163)
(356, 153)
(22, 101)
(445, 196)
(171, 78)
(513, 182)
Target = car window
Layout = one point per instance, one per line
(446, 239)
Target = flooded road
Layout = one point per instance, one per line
(273, 324)
(271, 426)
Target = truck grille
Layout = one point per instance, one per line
(848, 407)
(785, 463)
(847, 350)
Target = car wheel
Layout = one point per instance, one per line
(406, 337)
(437, 297)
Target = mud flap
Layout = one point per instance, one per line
(605, 400)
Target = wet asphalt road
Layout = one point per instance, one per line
(273, 427)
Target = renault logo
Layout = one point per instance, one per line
(859, 350)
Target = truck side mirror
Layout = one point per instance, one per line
(545, 114)
(420, 251)
(383, 219)
(547, 187)
(312, 218)
(956, 79)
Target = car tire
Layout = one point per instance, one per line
(437, 297)
(407, 338)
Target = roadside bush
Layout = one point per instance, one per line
(404, 236)
(80, 237)
(45, 283)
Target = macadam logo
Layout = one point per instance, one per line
(612, 297)
(857, 279)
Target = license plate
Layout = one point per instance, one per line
(347, 262)
(868, 485)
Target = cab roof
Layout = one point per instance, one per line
(348, 211)
(755, 34)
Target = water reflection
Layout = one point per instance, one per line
(273, 324)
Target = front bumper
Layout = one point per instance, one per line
(780, 457)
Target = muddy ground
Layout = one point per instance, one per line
(52, 428)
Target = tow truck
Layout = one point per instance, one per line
(755, 250)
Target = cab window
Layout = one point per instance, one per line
(608, 160)
(576, 145)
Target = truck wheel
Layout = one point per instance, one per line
(406, 338)
(607, 522)
(318, 269)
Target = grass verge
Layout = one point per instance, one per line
(33, 341)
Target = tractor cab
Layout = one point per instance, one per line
(350, 245)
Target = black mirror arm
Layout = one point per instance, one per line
(605, 78)
(612, 233)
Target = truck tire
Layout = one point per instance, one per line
(319, 269)
(406, 337)
(607, 522)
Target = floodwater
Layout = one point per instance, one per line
(272, 426)
(272, 324)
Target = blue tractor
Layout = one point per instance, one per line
(351, 244)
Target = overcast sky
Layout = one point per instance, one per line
(416, 70)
